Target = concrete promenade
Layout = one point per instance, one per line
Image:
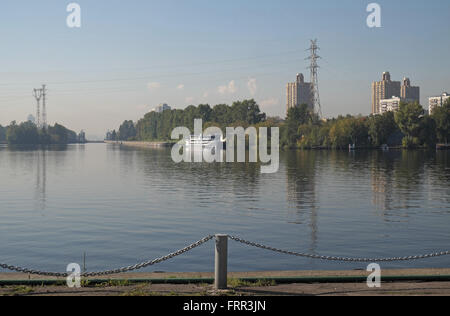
(260, 285)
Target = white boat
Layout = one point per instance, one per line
(205, 141)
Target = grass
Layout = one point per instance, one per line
(236, 283)
(20, 291)
(141, 291)
(144, 289)
(116, 283)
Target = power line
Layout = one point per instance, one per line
(112, 89)
(166, 66)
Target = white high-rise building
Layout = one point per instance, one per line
(435, 102)
(390, 105)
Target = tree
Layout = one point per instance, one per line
(359, 132)
(221, 113)
(2, 134)
(441, 116)
(310, 136)
(127, 131)
(408, 119)
(380, 127)
(205, 112)
(248, 111)
(300, 114)
(341, 133)
(58, 134)
(159, 126)
(27, 133)
(296, 117)
(427, 132)
(24, 134)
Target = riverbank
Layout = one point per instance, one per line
(137, 144)
(271, 283)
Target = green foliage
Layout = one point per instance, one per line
(302, 128)
(310, 136)
(27, 133)
(2, 134)
(380, 127)
(410, 142)
(159, 126)
(427, 132)
(112, 136)
(296, 117)
(236, 283)
(441, 116)
(408, 119)
(337, 133)
(248, 111)
(366, 132)
(222, 113)
(127, 131)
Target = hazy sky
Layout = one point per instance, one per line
(129, 56)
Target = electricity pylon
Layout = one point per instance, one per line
(37, 93)
(44, 109)
(315, 96)
(41, 121)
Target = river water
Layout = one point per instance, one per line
(121, 206)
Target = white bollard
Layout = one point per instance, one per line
(221, 270)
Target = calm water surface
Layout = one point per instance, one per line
(122, 206)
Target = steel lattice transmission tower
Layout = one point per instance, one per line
(315, 96)
(41, 121)
(44, 109)
(37, 93)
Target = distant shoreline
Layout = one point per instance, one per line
(138, 144)
(162, 144)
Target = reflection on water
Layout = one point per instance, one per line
(301, 193)
(401, 180)
(122, 205)
(41, 179)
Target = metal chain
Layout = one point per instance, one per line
(208, 238)
(117, 271)
(330, 258)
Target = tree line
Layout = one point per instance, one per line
(409, 127)
(27, 133)
(158, 126)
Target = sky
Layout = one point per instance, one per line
(130, 56)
